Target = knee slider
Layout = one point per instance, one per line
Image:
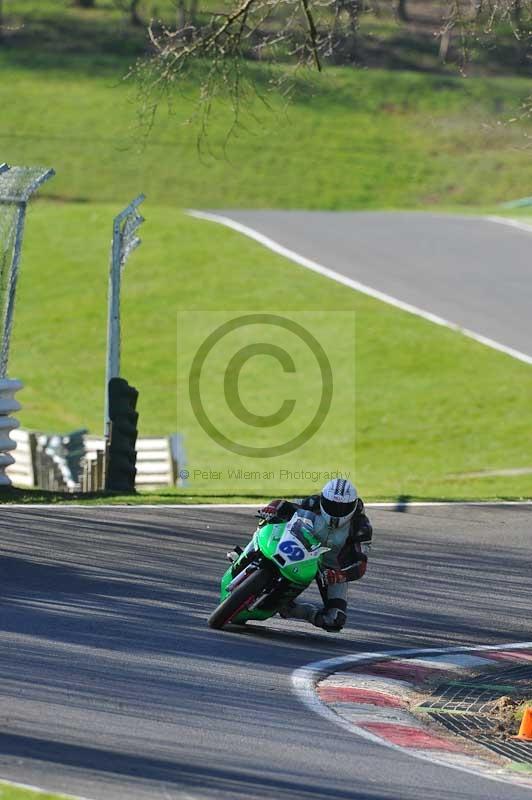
(335, 619)
(331, 620)
(335, 614)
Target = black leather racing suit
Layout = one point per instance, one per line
(346, 561)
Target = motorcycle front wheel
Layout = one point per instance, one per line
(241, 598)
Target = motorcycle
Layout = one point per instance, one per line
(280, 561)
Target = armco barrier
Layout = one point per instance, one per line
(8, 405)
(159, 460)
(59, 461)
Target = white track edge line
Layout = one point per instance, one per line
(511, 223)
(304, 682)
(271, 244)
(196, 506)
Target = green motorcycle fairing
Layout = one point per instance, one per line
(294, 550)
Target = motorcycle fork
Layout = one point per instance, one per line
(239, 577)
(262, 601)
(282, 591)
(244, 561)
(322, 587)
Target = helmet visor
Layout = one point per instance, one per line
(335, 509)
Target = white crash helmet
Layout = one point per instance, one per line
(338, 502)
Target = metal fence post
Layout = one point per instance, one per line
(17, 184)
(124, 242)
(9, 307)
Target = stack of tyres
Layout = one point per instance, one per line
(122, 456)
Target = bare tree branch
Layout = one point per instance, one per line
(218, 49)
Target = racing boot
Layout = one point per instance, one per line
(331, 620)
(304, 611)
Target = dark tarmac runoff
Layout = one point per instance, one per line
(112, 685)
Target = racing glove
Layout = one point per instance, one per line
(283, 509)
(332, 576)
(269, 511)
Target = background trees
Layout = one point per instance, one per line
(220, 42)
(470, 35)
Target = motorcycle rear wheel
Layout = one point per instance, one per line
(242, 597)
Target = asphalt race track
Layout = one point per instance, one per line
(113, 686)
(468, 270)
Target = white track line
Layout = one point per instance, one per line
(511, 223)
(361, 287)
(304, 682)
(38, 789)
(402, 507)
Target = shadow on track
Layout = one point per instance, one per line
(210, 781)
(107, 664)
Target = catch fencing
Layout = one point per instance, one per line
(17, 185)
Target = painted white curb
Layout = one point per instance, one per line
(305, 680)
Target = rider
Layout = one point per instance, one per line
(342, 525)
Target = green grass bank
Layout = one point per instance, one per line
(10, 792)
(349, 139)
(430, 405)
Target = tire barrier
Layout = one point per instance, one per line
(160, 460)
(122, 453)
(8, 404)
(22, 472)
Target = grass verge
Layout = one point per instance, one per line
(11, 792)
(431, 405)
(520, 712)
(177, 497)
(350, 139)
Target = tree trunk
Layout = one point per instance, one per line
(85, 3)
(445, 42)
(193, 11)
(181, 14)
(517, 12)
(402, 13)
(134, 12)
(345, 39)
(353, 9)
